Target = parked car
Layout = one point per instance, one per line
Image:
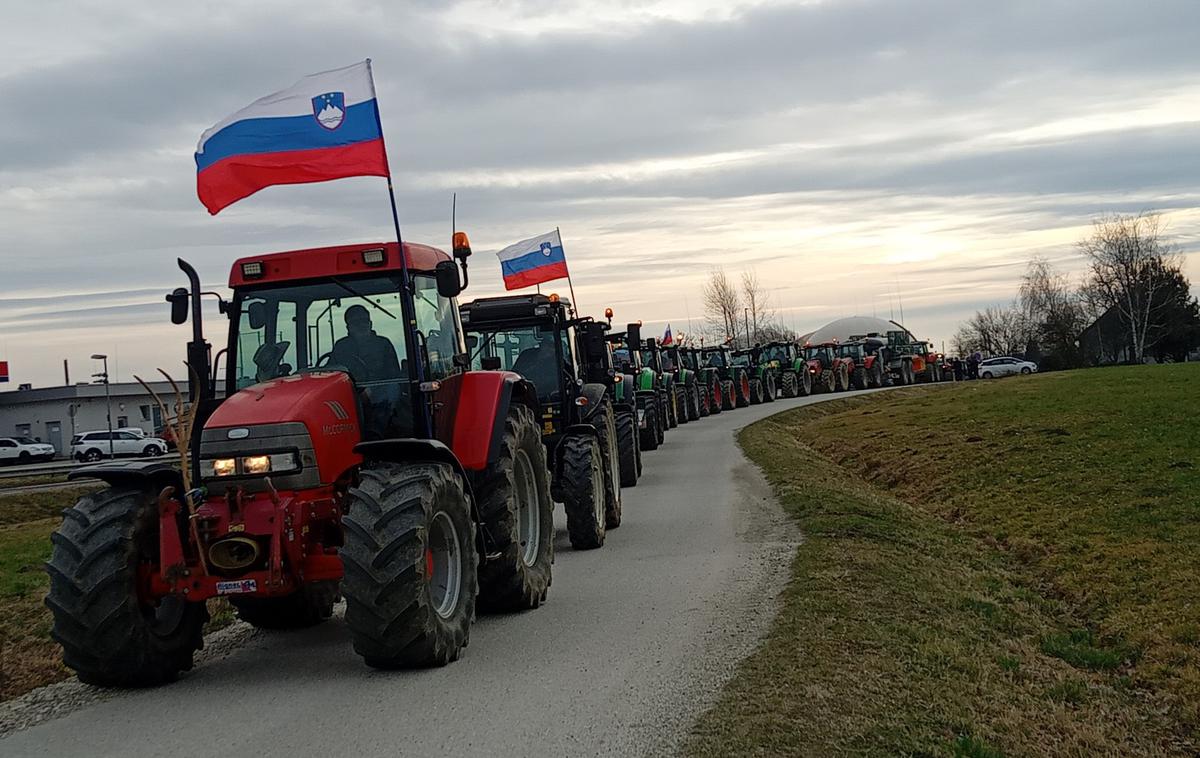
(92, 446)
(24, 450)
(991, 368)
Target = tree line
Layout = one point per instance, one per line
(1133, 303)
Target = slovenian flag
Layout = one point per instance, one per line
(325, 126)
(533, 261)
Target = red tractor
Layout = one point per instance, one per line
(830, 372)
(352, 453)
(867, 369)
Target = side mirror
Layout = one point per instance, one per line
(448, 284)
(256, 313)
(461, 360)
(491, 363)
(472, 342)
(179, 305)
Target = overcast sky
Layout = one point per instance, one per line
(845, 149)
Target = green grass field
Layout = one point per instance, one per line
(990, 569)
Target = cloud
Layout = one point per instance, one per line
(846, 149)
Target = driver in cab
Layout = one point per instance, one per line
(366, 355)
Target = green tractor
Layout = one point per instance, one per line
(654, 357)
(689, 392)
(793, 375)
(537, 337)
(708, 380)
(762, 377)
(734, 379)
(647, 394)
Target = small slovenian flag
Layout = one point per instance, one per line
(3, 371)
(667, 338)
(533, 261)
(325, 126)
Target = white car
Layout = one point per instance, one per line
(92, 446)
(991, 368)
(24, 450)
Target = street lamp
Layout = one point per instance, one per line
(107, 400)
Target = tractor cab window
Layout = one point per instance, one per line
(352, 325)
(437, 320)
(741, 360)
(668, 361)
(622, 359)
(531, 351)
(775, 353)
(715, 359)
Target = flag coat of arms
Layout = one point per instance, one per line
(324, 127)
(533, 261)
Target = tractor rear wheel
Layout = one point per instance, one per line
(859, 378)
(671, 408)
(693, 402)
(410, 564)
(716, 398)
(769, 387)
(627, 445)
(583, 490)
(606, 431)
(513, 501)
(756, 391)
(307, 606)
(804, 383)
(844, 377)
(877, 375)
(110, 634)
(664, 420)
(648, 434)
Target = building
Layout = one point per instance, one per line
(853, 327)
(55, 414)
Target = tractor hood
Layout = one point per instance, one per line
(321, 400)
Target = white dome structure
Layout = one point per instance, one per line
(843, 329)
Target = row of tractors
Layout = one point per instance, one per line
(361, 435)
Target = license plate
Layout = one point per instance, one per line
(239, 587)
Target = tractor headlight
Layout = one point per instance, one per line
(256, 464)
(218, 467)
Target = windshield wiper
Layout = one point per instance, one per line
(491, 336)
(361, 296)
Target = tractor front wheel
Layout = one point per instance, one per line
(769, 387)
(583, 490)
(683, 409)
(693, 402)
(648, 433)
(513, 500)
(804, 383)
(716, 398)
(742, 392)
(410, 564)
(606, 433)
(756, 391)
(728, 395)
(112, 635)
(627, 445)
(787, 382)
(859, 378)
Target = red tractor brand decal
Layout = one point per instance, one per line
(238, 587)
(339, 412)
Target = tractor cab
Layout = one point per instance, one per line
(716, 357)
(825, 354)
(780, 353)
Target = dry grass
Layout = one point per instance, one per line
(991, 569)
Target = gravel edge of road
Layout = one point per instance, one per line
(62, 698)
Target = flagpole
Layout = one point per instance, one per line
(407, 308)
(570, 284)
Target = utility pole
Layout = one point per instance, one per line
(107, 399)
(746, 323)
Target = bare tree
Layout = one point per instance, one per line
(722, 302)
(1053, 310)
(994, 331)
(758, 307)
(1129, 265)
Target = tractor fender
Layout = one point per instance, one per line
(411, 450)
(594, 394)
(158, 474)
(482, 406)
